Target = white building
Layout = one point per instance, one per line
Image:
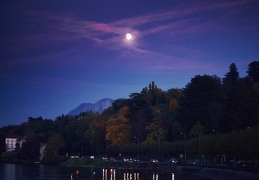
(13, 142)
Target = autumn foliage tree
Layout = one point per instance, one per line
(173, 104)
(118, 129)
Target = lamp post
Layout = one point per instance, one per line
(158, 142)
(184, 145)
(92, 143)
(107, 147)
(158, 147)
(138, 146)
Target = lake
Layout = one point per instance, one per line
(49, 172)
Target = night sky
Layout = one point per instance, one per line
(55, 55)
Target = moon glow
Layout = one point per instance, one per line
(128, 36)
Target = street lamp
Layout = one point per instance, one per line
(158, 139)
(138, 146)
(158, 147)
(184, 145)
(107, 147)
(92, 143)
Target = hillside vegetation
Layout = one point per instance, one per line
(216, 116)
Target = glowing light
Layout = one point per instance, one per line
(128, 36)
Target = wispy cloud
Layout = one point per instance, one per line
(175, 22)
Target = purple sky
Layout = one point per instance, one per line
(58, 54)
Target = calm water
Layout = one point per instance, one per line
(47, 172)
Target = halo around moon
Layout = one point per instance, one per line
(128, 36)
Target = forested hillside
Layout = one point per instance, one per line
(154, 122)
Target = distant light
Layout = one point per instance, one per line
(128, 36)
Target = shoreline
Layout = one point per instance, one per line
(219, 173)
(211, 173)
(207, 172)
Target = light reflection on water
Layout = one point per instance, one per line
(10, 172)
(46, 172)
(155, 176)
(131, 176)
(110, 174)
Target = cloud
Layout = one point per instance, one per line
(179, 22)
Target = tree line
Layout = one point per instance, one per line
(153, 122)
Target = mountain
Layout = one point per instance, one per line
(99, 106)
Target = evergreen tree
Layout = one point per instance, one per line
(241, 109)
(198, 101)
(253, 71)
(231, 78)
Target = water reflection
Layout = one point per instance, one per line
(10, 171)
(46, 172)
(131, 176)
(105, 174)
(112, 174)
(155, 176)
(172, 176)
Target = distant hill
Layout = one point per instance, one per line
(99, 106)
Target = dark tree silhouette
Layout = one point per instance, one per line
(231, 78)
(253, 71)
(200, 97)
(2, 143)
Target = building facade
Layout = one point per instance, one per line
(13, 143)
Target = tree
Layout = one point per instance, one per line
(196, 130)
(173, 104)
(253, 71)
(231, 78)
(195, 105)
(73, 133)
(241, 109)
(140, 114)
(152, 88)
(153, 95)
(96, 134)
(174, 93)
(156, 133)
(30, 148)
(2, 143)
(54, 145)
(174, 131)
(116, 106)
(118, 129)
(71, 139)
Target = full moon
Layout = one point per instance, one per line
(128, 36)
